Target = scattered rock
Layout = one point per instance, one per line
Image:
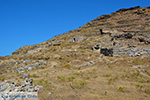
(85, 64)
(130, 46)
(26, 86)
(95, 47)
(144, 39)
(29, 65)
(130, 52)
(127, 35)
(24, 75)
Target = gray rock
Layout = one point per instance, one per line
(39, 64)
(24, 75)
(77, 66)
(88, 57)
(101, 55)
(3, 72)
(3, 87)
(27, 61)
(29, 68)
(4, 65)
(26, 86)
(39, 86)
(91, 62)
(20, 70)
(130, 46)
(54, 72)
(25, 67)
(30, 90)
(77, 39)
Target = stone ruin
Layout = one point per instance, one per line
(26, 65)
(118, 52)
(120, 49)
(106, 51)
(25, 86)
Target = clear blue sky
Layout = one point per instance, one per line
(28, 22)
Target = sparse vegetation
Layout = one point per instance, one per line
(76, 73)
(34, 75)
(68, 66)
(62, 78)
(2, 78)
(95, 76)
(147, 72)
(139, 85)
(113, 79)
(71, 78)
(126, 76)
(122, 89)
(107, 75)
(79, 84)
(42, 67)
(147, 91)
(144, 80)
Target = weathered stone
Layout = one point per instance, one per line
(130, 52)
(26, 86)
(4, 65)
(104, 33)
(77, 39)
(3, 86)
(130, 46)
(29, 68)
(106, 51)
(91, 63)
(24, 75)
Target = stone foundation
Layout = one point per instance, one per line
(118, 52)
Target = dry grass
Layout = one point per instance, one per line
(110, 78)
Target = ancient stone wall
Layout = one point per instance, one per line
(117, 52)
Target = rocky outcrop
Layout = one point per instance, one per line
(118, 52)
(144, 39)
(24, 86)
(104, 33)
(126, 9)
(77, 39)
(123, 36)
(26, 65)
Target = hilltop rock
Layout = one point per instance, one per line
(126, 9)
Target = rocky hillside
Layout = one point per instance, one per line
(107, 58)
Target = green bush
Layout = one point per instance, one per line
(107, 75)
(71, 78)
(62, 78)
(34, 75)
(122, 89)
